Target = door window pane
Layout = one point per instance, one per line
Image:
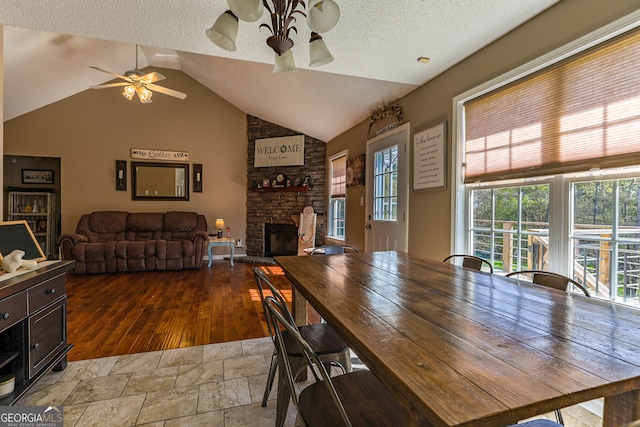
(385, 178)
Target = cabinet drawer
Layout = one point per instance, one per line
(45, 293)
(47, 335)
(12, 310)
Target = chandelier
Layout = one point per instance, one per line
(322, 16)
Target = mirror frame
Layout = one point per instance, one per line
(134, 180)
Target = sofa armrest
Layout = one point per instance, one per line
(66, 242)
(199, 235)
(199, 239)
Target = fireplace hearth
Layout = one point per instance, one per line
(280, 239)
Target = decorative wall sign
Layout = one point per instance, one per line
(355, 171)
(430, 158)
(283, 151)
(144, 154)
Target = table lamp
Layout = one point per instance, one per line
(219, 225)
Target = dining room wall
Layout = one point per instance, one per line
(430, 213)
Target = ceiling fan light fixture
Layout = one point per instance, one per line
(144, 95)
(137, 82)
(284, 63)
(224, 31)
(323, 15)
(247, 10)
(128, 92)
(319, 54)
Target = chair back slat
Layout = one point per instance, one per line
(470, 261)
(551, 280)
(333, 250)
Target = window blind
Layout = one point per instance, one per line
(578, 115)
(338, 176)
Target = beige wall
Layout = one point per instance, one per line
(92, 129)
(430, 213)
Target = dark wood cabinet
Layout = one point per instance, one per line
(33, 325)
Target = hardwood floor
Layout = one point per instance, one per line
(116, 314)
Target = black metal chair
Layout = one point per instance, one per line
(352, 399)
(470, 261)
(329, 347)
(551, 280)
(333, 250)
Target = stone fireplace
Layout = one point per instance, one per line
(279, 206)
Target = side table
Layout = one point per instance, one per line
(223, 241)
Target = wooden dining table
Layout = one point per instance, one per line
(465, 348)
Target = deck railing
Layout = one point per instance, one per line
(593, 252)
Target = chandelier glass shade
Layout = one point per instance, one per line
(322, 16)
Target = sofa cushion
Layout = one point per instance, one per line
(180, 221)
(144, 226)
(107, 226)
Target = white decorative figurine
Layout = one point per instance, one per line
(14, 261)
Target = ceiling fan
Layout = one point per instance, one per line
(137, 82)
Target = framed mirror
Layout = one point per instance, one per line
(159, 181)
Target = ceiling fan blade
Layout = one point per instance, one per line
(110, 85)
(109, 72)
(152, 77)
(166, 91)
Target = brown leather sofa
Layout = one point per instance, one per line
(114, 241)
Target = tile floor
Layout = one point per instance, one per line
(217, 385)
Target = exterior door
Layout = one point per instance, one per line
(387, 200)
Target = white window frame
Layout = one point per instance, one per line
(330, 215)
(560, 217)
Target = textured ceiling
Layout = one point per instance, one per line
(376, 44)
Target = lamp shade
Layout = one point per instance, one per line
(284, 63)
(219, 223)
(323, 15)
(224, 31)
(247, 10)
(319, 55)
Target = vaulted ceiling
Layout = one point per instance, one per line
(49, 46)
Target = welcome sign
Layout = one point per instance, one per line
(283, 151)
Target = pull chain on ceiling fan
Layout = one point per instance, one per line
(137, 82)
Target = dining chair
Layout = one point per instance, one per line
(333, 250)
(352, 399)
(329, 347)
(551, 280)
(470, 261)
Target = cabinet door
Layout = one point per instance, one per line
(47, 335)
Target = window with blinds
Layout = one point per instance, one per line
(337, 201)
(578, 115)
(339, 176)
